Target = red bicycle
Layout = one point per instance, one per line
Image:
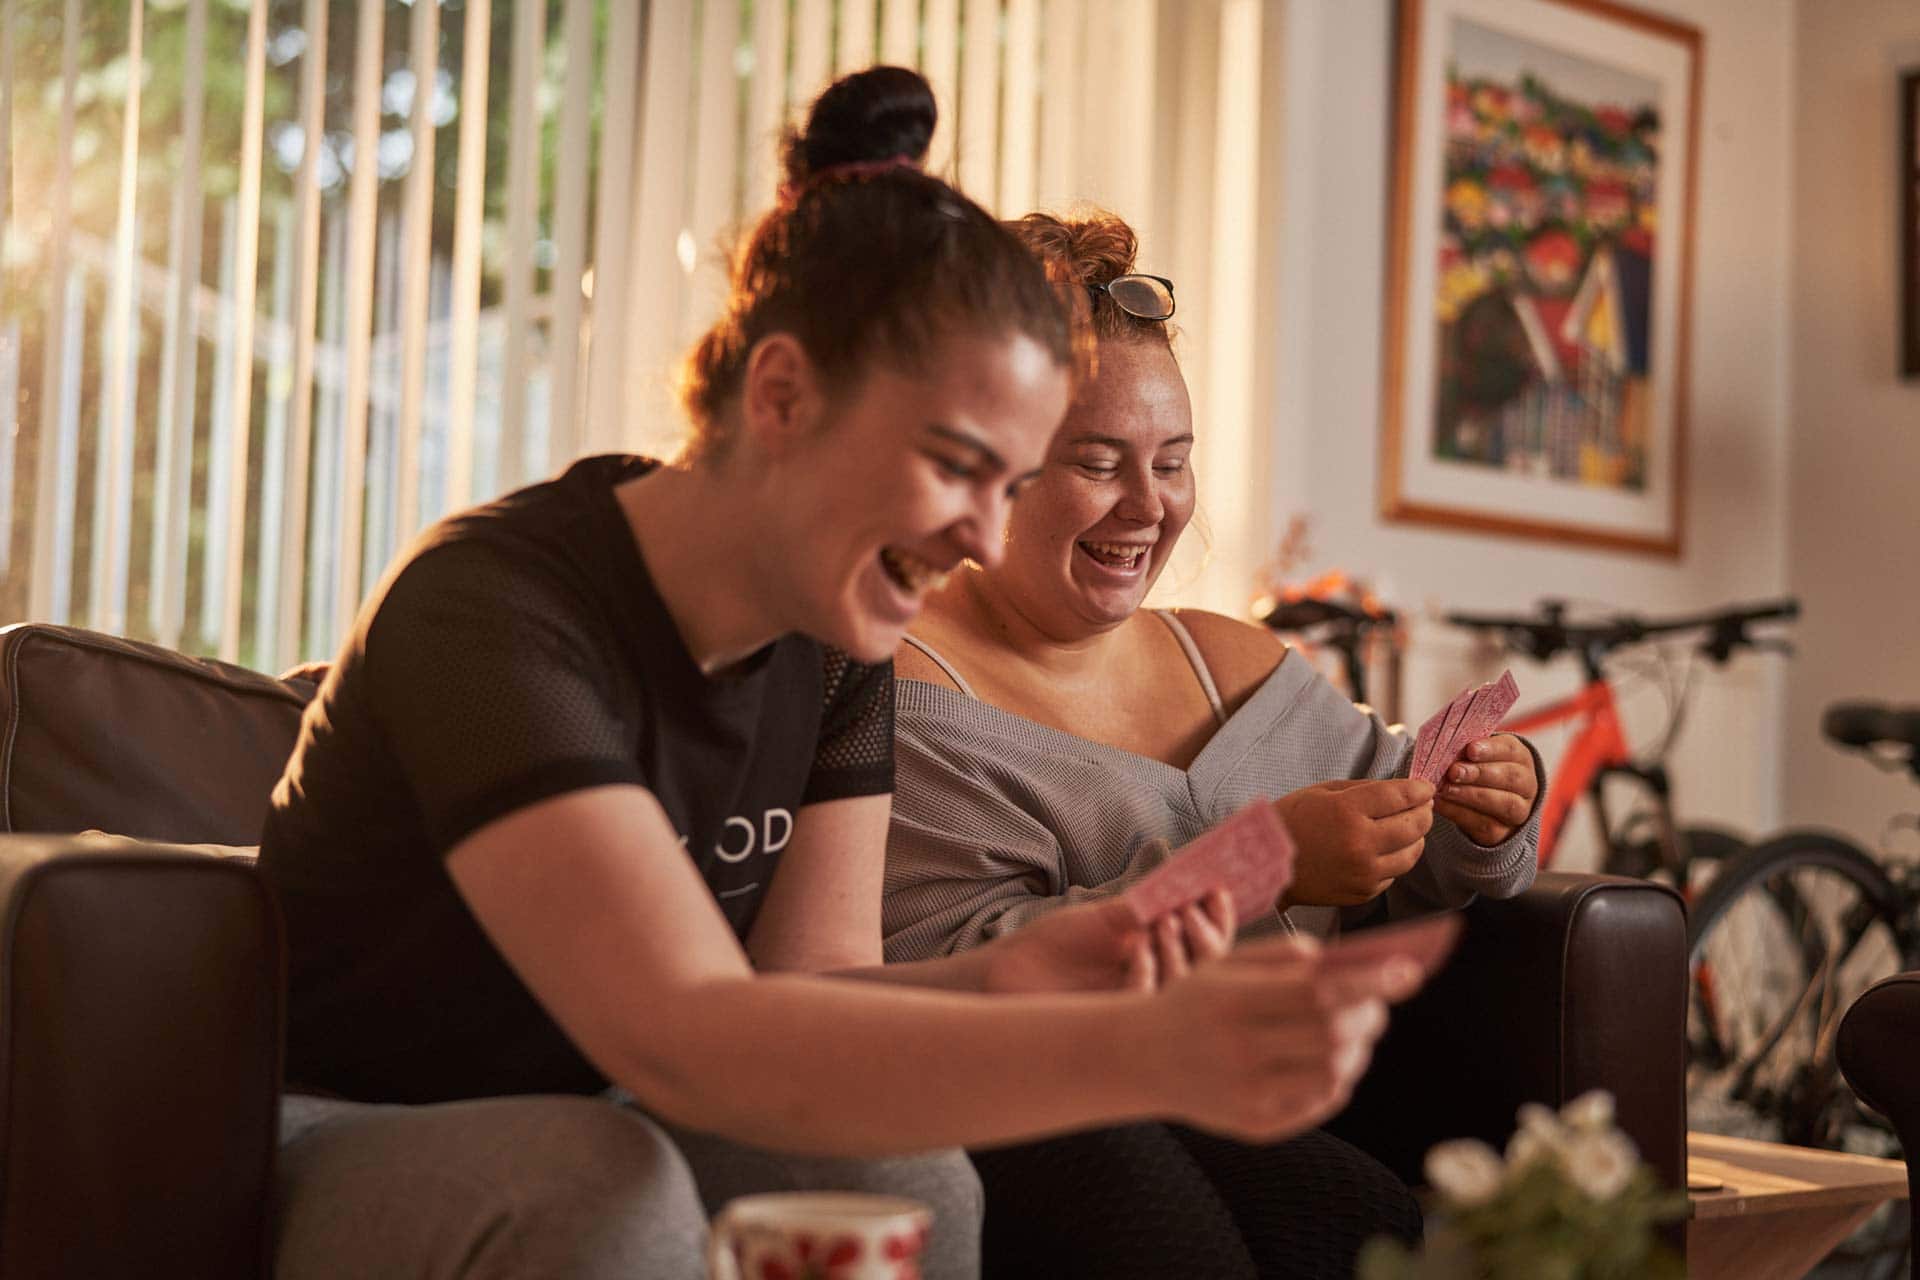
(1645, 840)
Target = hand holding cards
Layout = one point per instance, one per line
(1250, 855)
(1471, 716)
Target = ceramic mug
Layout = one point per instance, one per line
(818, 1235)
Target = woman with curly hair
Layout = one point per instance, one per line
(1056, 741)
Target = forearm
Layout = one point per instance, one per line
(833, 1067)
(961, 971)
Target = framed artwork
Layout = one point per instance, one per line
(1539, 271)
(1910, 224)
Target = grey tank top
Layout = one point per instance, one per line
(1180, 633)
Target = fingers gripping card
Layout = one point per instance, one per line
(1250, 855)
(1494, 701)
(1468, 718)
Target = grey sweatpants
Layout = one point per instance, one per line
(551, 1186)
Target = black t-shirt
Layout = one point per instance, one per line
(521, 651)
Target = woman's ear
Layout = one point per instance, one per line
(781, 397)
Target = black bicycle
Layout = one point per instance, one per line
(1354, 631)
(1783, 940)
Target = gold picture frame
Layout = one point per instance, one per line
(1539, 271)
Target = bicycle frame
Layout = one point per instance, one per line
(1599, 747)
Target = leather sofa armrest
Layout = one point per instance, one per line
(140, 1059)
(1579, 983)
(1878, 1045)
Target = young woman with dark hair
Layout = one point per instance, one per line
(580, 847)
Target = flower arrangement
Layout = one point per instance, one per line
(1571, 1200)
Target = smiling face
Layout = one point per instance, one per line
(910, 474)
(1093, 532)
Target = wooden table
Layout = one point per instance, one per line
(1778, 1210)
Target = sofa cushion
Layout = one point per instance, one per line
(141, 1018)
(136, 739)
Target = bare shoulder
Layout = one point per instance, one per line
(1240, 655)
(942, 628)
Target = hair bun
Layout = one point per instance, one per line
(875, 114)
(1089, 247)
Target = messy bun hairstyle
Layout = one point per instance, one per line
(867, 258)
(876, 115)
(1090, 248)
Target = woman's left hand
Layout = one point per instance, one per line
(1099, 946)
(1489, 791)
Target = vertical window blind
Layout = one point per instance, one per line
(286, 280)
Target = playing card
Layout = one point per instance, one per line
(1250, 854)
(1449, 719)
(1449, 733)
(1472, 715)
(1427, 942)
(1485, 715)
(1491, 705)
(1423, 742)
(1446, 752)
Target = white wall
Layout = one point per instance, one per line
(1854, 462)
(1336, 179)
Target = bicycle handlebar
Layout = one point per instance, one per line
(1547, 633)
(1311, 611)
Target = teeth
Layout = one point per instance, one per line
(1122, 553)
(911, 572)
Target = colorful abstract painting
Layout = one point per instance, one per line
(1546, 263)
(1537, 337)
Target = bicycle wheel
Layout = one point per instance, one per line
(1781, 942)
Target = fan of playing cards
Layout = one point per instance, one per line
(1471, 716)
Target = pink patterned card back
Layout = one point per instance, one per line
(1250, 854)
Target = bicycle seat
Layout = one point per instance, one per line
(1311, 611)
(1869, 724)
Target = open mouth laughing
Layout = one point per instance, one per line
(910, 573)
(1123, 557)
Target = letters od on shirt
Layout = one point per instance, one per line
(771, 836)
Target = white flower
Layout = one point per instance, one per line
(1529, 1145)
(1466, 1170)
(1600, 1164)
(1591, 1112)
(1541, 1120)
(1540, 1136)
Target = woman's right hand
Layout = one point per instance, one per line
(1266, 1042)
(1353, 837)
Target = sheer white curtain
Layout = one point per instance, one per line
(286, 281)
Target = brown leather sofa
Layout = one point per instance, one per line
(1879, 1048)
(141, 986)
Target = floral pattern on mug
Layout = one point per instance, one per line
(810, 1260)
